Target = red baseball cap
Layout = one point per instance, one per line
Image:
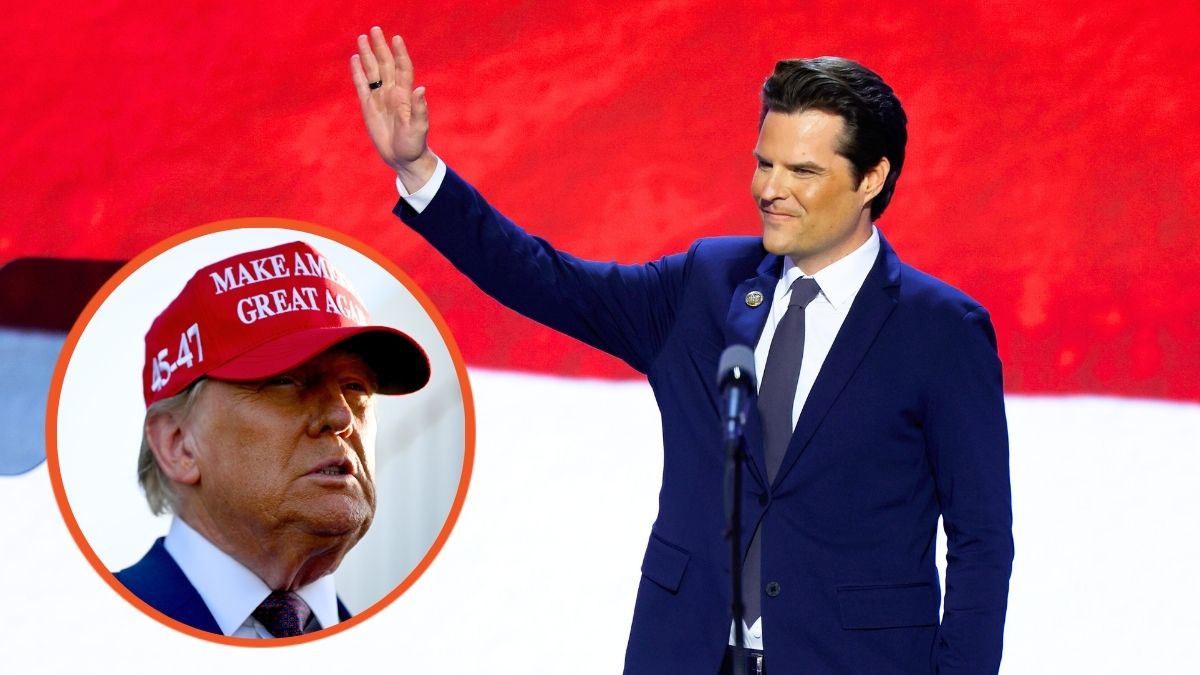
(262, 313)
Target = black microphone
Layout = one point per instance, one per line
(735, 379)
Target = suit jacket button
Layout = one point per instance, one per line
(763, 499)
(773, 588)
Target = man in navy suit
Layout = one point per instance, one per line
(260, 382)
(880, 406)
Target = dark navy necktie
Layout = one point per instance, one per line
(284, 614)
(776, 398)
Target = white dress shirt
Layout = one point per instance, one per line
(420, 199)
(231, 591)
(823, 318)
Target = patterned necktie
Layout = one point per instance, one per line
(284, 614)
(776, 398)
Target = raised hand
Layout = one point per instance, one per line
(396, 115)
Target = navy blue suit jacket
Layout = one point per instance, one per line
(157, 580)
(904, 423)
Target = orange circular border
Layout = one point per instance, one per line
(136, 263)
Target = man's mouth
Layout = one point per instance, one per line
(339, 467)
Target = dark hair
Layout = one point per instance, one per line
(875, 125)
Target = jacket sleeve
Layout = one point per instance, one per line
(625, 310)
(967, 439)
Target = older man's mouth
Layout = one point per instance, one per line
(338, 467)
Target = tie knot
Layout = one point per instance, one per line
(804, 290)
(284, 614)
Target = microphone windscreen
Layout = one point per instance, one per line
(737, 363)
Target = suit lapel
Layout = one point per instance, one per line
(159, 582)
(872, 306)
(743, 325)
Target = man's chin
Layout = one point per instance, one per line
(775, 244)
(340, 516)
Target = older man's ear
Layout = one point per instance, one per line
(172, 449)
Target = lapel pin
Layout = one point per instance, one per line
(754, 299)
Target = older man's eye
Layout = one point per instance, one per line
(281, 381)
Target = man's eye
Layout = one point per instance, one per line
(362, 387)
(281, 381)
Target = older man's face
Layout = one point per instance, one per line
(293, 454)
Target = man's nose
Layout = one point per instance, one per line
(331, 412)
(772, 186)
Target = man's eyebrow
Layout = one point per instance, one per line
(811, 166)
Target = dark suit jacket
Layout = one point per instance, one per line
(904, 423)
(157, 580)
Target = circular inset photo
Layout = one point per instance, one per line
(260, 428)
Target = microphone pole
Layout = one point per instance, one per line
(736, 381)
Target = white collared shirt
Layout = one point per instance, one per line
(823, 318)
(231, 591)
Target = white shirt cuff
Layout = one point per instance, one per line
(420, 199)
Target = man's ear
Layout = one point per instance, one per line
(873, 179)
(172, 448)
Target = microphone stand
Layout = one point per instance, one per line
(734, 456)
(735, 378)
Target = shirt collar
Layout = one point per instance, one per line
(230, 590)
(841, 280)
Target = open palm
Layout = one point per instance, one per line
(396, 115)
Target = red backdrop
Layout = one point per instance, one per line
(1051, 172)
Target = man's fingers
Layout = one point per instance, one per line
(359, 78)
(387, 66)
(370, 65)
(404, 66)
(420, 107)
